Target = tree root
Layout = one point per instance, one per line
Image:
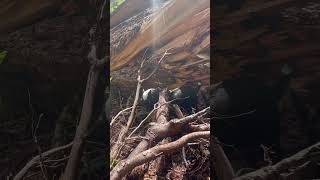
(125, 166)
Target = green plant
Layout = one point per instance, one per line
(115, 4)
(113, 163)
(3, 55)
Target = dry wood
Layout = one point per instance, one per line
(127, 10)
(192, 64)
(125, 166)
(222, 165)
(96, 65)
(296, 161)
(116, 149)
(200, 17)
(186, 39)
(159, 131)
(71, 170)
(203, 45)
(178, 57)
(199, 127)
(120, 113)
(186, 47)
(170, 16)
(162, 115)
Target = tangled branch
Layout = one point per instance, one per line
(125, 166)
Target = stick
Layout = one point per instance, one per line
(71, 170)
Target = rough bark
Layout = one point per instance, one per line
(162, 116)
(72, 167)
(126, 166)
(185, 34)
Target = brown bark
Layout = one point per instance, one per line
(167, 19)
(221, 163)
(72, 167)
(162, 116)
(125, 166)
(159, 131)
(127, 10)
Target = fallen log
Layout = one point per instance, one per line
(168, 18)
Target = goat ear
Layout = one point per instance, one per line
(143, 90)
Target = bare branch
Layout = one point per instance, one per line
(199, 127)
(157, 67)
(191, 117)
(34, 160)
(35, 139)
(116, 117)
(118, 147)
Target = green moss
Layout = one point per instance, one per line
(114, 5)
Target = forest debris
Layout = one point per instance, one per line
(36, 159)
(162, 115)
(160, 131)
(116, 116)
(118, 147)
(127, 165)
(298, 160)
(126, 10)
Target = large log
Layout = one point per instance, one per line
(127, 10)
(174, 13)
(185, 34)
